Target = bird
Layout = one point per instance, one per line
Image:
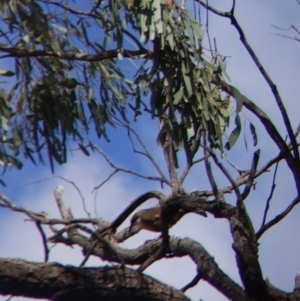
(150, 219)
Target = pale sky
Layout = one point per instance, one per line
(279, 247)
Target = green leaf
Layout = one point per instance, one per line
(253, 133)
(83, 149)
(234, 134)
(178, 96)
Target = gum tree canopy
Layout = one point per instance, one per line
(78, 74)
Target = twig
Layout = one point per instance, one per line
(187, 169)
(64, 210)
(273, 186)
(146, 152)
(228, 176)
(44, 240)
(278, 218)
(209, 173)
(207, 32)
(212, 9)
(85, 57)
(251, 176)
(36, 216)
(127, 170)
(68, 181)
(79, 192)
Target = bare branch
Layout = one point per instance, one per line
(188, 168)
(79, 192)
(271, 84)
(104, 55)
(228, 176)
(209, 173)
(146, 152)
(270, 196)
(129, 171)
(44, 240)
(36, 216)
(107, 179)
(64, 210)
(251, 177)
(269, 126)
(212, 9)
(278, 218)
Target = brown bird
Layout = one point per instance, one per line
(150, 219)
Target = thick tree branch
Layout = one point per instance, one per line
(65, 283)
(246, 249)
(243, 239)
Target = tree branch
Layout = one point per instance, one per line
(66, 283)
(267, 123)
(104, 55)
(260, 67)
(278, 218)
(244, 238)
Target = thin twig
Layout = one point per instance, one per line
(158, 179)
(209, 172)
(273, 186)
(188, 168)
(79, 192)
(251, 176)
(44, 240)
(228, 176)
(68, 181)
(278, 218)
(146, 152)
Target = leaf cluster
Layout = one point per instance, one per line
(73, 69)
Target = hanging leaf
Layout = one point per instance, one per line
(253, 133)
(234, 134)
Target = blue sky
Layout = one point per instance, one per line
(279, 247)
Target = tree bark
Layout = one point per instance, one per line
(67, 283)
